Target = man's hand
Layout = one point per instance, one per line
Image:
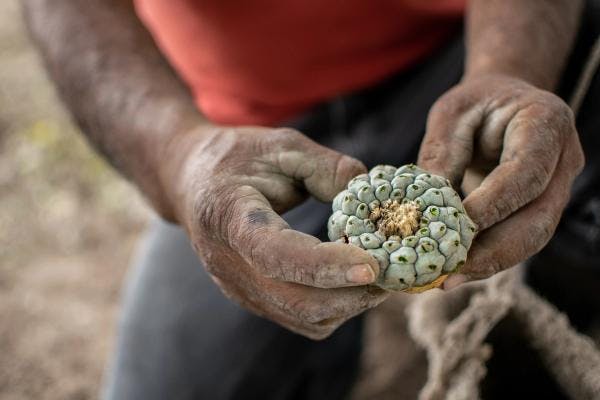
(224, 185)
(228, 192)
(523, 141)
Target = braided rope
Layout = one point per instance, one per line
(585, 80)
(457, 352)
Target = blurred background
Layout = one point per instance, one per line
(68, 227)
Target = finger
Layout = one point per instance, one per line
(265, 241)
(323, 171)
(532, 144)
(472, 180)
(311, 312)
(447, 147)
(321, 309)
(523, 234)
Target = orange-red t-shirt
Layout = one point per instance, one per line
(263, 61)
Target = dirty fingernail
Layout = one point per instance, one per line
(362, 273)
(454, 281)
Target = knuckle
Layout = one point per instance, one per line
(546, 103)
(305, 276)
(246, 216)
(304, 311)
(372, 297)
(487, 261)
(541, 231)
(558, 108)
(431, 150)
(295, 308)
(579, 165)
(286, 273)
(455, 101)
(541, 171)
(301, 329)
(552, 114)
(447, 103)
(324, 328)
(258, 251)
(434, 155)
(312, 314)
(534, 180)
(568, 115)
(211, 209)
(494, 265)
(254, 252)
(319, 333)
(499, 209)
(324, 276)
(438, 108)
(206, 227)
(578, 159)
(531, 183)
(488, 266)
(288, 135)
(345, 168)
(461, 138)
(224, 219)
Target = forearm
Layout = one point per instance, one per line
(529, 39)
(116, 84)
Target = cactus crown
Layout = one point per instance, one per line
(397, 219)
(412, 222)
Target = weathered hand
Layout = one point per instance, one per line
(523, 142)
(230, 189)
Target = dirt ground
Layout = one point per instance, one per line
(68, 226)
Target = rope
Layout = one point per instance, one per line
(456, 347)
(586, 77)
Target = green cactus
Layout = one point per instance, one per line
(412, 222)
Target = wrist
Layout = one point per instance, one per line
(175, 167)
(528, 40)
(487, 67)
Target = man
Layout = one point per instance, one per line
(358, 77)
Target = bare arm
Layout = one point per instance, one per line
(503, 123)
(224, 185)
(117, 85)
(530, 40)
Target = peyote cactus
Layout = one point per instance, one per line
(412, 222)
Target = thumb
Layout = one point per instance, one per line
(323, 171)
(332, 174)
(447, 147)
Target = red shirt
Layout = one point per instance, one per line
(263, 61)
